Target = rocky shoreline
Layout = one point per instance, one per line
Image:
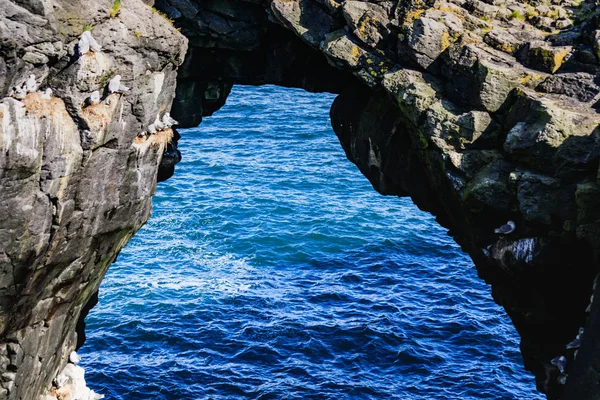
(483, 112)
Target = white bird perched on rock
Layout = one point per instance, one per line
(507, 228)
(115, 85)
(47, 94)
(159, 124)
(93, 44)
(168, 121)
(83, 45)
(61, 380)
(31, 84)
(152, 129)
(560, 362)
(74, 358)
(575, 343)
(94, 98)
(141, 134)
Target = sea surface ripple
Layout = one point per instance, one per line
(271, 269)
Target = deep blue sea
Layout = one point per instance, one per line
(271, 269)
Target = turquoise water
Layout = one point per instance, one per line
(271, 269)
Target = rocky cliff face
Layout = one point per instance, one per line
(76, 180)
(483, 112)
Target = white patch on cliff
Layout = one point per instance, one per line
(523, 249)
(20, 133)
(5, 140)
(159, 80)
(374, 159)
(70, 384)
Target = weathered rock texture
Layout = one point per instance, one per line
(481, 111)
(75, 181)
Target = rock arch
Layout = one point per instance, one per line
(481, 112)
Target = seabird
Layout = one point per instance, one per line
(575, 343)
(83, 44)
(560, 362)
(168, 121)
(152, 129)
(141, 134)
(74, 358)
(61, 380)
(47, 94)
(507, 228)
(115, 85)
(159, 124)
(31, 84)
(93, 44)
(94, 98)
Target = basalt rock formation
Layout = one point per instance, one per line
(482, 111)
(76, 180)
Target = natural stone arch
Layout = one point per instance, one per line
(460, 170)
(320, 265)
(445, 101)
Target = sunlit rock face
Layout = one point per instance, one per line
(76, 180)
(482, 112)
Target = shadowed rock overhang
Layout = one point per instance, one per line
(483, 112)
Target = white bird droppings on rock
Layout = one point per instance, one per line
(523, 249)
(562, 379)
(560, 362)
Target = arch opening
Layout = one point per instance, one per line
(272, 268)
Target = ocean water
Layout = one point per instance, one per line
(271, 269)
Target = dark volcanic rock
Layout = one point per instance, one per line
(482, 112)
(76, 182)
